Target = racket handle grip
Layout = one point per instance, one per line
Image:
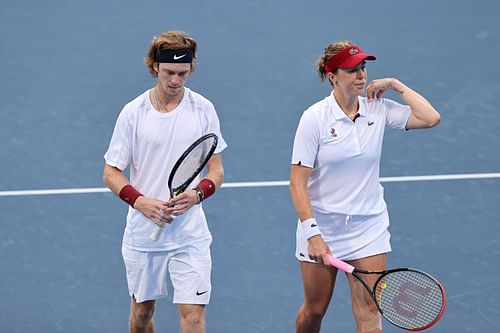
(156, 233)
(343, 266)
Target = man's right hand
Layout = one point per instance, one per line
(155, 210)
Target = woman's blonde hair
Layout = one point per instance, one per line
(330, 51)
(170, 40)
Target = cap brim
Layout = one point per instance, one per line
(355, 60)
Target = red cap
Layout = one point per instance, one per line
(349, 57)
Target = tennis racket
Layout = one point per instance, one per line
(406, 297)
(188, 166)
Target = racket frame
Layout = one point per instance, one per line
(345, 267)
(181, 188)
(181, 159)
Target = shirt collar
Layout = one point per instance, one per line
(337, 111)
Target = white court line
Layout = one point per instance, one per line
(258, 184)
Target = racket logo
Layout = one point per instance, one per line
(409, 299)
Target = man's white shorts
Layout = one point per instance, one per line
(189, 269)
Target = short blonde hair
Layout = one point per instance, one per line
(170, 40)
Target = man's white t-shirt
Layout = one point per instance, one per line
(149, 143)
(345, 155)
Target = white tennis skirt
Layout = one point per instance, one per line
(349, 236)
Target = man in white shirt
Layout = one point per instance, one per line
(151, 133)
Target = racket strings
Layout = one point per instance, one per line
(191, 163)
(409, 299)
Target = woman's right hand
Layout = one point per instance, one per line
(318, 250)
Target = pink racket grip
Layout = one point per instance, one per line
(343, 266)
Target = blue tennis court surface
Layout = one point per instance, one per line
(67, 68)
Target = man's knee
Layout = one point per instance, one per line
(142, 313)
(192, 316)
(193, 320)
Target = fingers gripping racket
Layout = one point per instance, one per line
(188, 166)
(406, 297)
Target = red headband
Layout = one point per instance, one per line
(349, 57)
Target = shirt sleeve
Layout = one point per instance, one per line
(119, 152)
(213, 126)
(396, 114)
(305, 145)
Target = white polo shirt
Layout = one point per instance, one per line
(345, 155)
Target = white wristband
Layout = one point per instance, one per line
(310, 228)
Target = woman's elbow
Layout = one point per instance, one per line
(436, 119)
(431, 119)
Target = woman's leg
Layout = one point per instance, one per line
(366, 315)
(319, 282)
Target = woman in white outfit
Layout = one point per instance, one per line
(334, 180)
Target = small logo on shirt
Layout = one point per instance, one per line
(333, 132)
(199, 293)
(371, 122)
(314, 225)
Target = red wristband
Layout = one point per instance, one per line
(206, 186)
(129, 194)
